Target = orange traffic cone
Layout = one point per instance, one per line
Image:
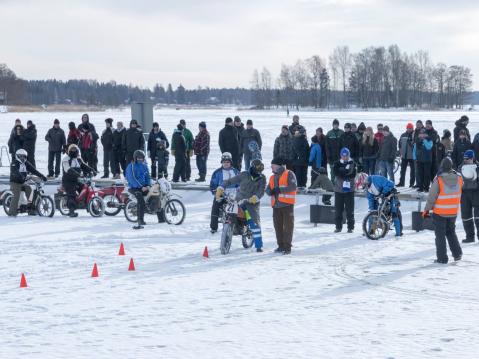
(121, 252)
(131, 267)
(205, 252)
(23, 282)
(94, 272)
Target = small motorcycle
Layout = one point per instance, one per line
(234, 222)
(159, 197)
(378, 222)
(40, 203)
(115, 198)
(87, 199)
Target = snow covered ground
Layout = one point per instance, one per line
(336, 296)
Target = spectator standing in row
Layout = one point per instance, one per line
(295, 126)
(301, 157)
(132, 140)
(387, 154)
(156, 134)
(333, 145)
(320, 138)
(119, 160)
(469, 171)
(460, 147)
(16, 139)
(423, 154)
(228, 141)
(178, 149)
(56, 142)
(107, 143)
(406, 144)
(189, 148)
(283, 147)
(29, 141)
(350, 141)
(250, 141)
(369, 151)
(345, 172)
(88, 142)
(315, 158)
(201, 148)
(461, 125)
(73, 137)
(239, 126)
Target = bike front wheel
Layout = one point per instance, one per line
(131, 211)
(96, 207)
(174, 212)
(226, 238)
(112, 205)
(45, 207)
(375, 226)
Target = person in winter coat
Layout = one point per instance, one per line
(315, 158)
(301, 157)
(447, 142)
(88, 142)
(73, 166)
(406, 144)
(345, 172)
(475, 145)
(56, 141)
(73, 137)
(460, 147)
(252, 185)
(248, 136)
(379, 135)
(432, 133)
(333, 145)
(139, 181)
(444, 199)
(29, 141)
(422, 151)
(283, 147)
(162, 158)
(282, 189)
(369, 151)
(155, 135)
(18, 122)
(350, 141)
(295, 126)
(16, 140)
(107, 143)
(387, 154)
(469, 171)
(178, 142)
(225, 172)
(239, 126)
(323, 182)
(132, 141)
(119, 155)
(320, 138)
(360, 132)
(201, 148)
(19, 169)
(228, 141)
(461, 125)
(189, 148)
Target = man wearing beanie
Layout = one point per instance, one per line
(283, 147)
(469, 171)
(345, 173)
(201, 148)
(228, 141)
(282, 189)
(387, 154)
(132, 140)
(250, 142)
(107, 142)
(406, 143)
(444, 199)
(333, 145)
(189, 147)
(29, 141)
(56, 142)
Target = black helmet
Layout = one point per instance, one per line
(73, 151)
(256, 167)
(138, 154)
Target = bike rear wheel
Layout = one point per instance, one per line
(7, 200)
(375, 226)
(45, 207)
(174, 212)
(96, 207)
(247, 238)
(62, 206)
(112, 205)
(131, 211)
(226, 238)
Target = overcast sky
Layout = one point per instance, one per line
(220, 43)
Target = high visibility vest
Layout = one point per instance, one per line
(449, 198)
(284, 197)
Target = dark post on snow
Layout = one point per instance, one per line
(143, 113)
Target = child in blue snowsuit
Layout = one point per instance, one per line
(379, 185)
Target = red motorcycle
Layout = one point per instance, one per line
(87, 199)
(114, 198)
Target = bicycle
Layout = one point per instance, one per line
(234, 219)
(377, 223)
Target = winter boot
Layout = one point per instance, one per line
(72, 214)
(279, 250)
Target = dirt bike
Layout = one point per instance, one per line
(40, 203)
(87, 199)
(378, 222)
(115, 198)
(234, 222)
(158, 197)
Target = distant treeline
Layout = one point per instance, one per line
(375, 77)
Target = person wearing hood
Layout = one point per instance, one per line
(360, 131)
(333, 145)
(16, 139)
(422, 152)
(107, 142)
(406, 144)
(56, 142)
(461, 125)
(475, 145)
(432, 133)
(29, 141)
(228, 142)
(73, 137)
(315, 158)
(178, 142)
(301, 157)
(156, 134)
(88, 142)
(201, 148)
(387, 154)
(345, 172)
(283, 147)
(282, 189)
(239, 126)
(250, 141)
(469, 171)
(369, 151)
(444, 199)
(320, 138)
(350, 141)
(446, 141)
(119, 157)
(460, 147)
(132, 141)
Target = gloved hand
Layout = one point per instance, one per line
(253, 199)
(43, 178)
(219, 192)
(275, 191)
(425, 214)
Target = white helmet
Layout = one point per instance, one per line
(226, 156)
(469, 172)
(21, 155)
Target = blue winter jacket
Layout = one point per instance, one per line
(381, 184)
(217, 179)
(315, 155)
(137, 175)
